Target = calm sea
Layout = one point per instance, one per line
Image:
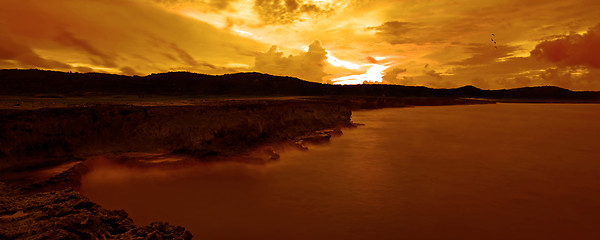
(503, 171)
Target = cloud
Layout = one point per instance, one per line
(570, 77)
(116, 37)
(183, 55)
(391, 76)
(370, 59)
(572, 50)
(422, 33)
(432, 73)
(82, 69)
(69, 39)
(145, 36)
(24, 55)
(508, 73)
(130, 71)
(396, 32)
(207, 5)
(288, 11)
(485, 54)
(308, 66)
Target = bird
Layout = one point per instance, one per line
(493, 36)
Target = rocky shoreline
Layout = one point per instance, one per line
(31, 139)
(67, 214)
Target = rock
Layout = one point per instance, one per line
(299, 144)
(316, 138)
(71, 178)
(159, 231)
(67, 214)
(333, 132)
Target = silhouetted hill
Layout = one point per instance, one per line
(52, 83)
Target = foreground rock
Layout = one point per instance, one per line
(69, 215)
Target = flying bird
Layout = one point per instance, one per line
(493, 36)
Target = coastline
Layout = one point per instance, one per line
(206, 130)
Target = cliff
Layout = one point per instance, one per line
(37, 138)
(34, 138)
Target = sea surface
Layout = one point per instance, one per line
(501, 171)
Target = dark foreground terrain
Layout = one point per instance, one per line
(52, 120)
(67, 214)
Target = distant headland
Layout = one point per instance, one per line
(54, 84)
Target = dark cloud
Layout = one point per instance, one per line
(130, 71)
(209, 4)
(370, 59)
(287, 11)
(394, 28)
(396, 32)
(572, 50)
(485, 54)
(23, 54)
(183, 55)
(84, 69)
(432, 78)
(69, 39)
(307, 66)
(433, 74)
(391, 76)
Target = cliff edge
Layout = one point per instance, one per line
(50, 136)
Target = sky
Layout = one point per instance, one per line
(435, 43)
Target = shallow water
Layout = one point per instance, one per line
(504, 171)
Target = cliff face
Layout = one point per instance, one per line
(31, 138)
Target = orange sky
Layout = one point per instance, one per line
(436, 43)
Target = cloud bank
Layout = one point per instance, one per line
(572, 50)
(128, 37)
(556, 45)
(308, 65)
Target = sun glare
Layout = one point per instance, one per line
(246, 34)
(212, 19)
(339, 63)
(373, 75)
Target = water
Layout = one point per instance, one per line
(505, 171)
